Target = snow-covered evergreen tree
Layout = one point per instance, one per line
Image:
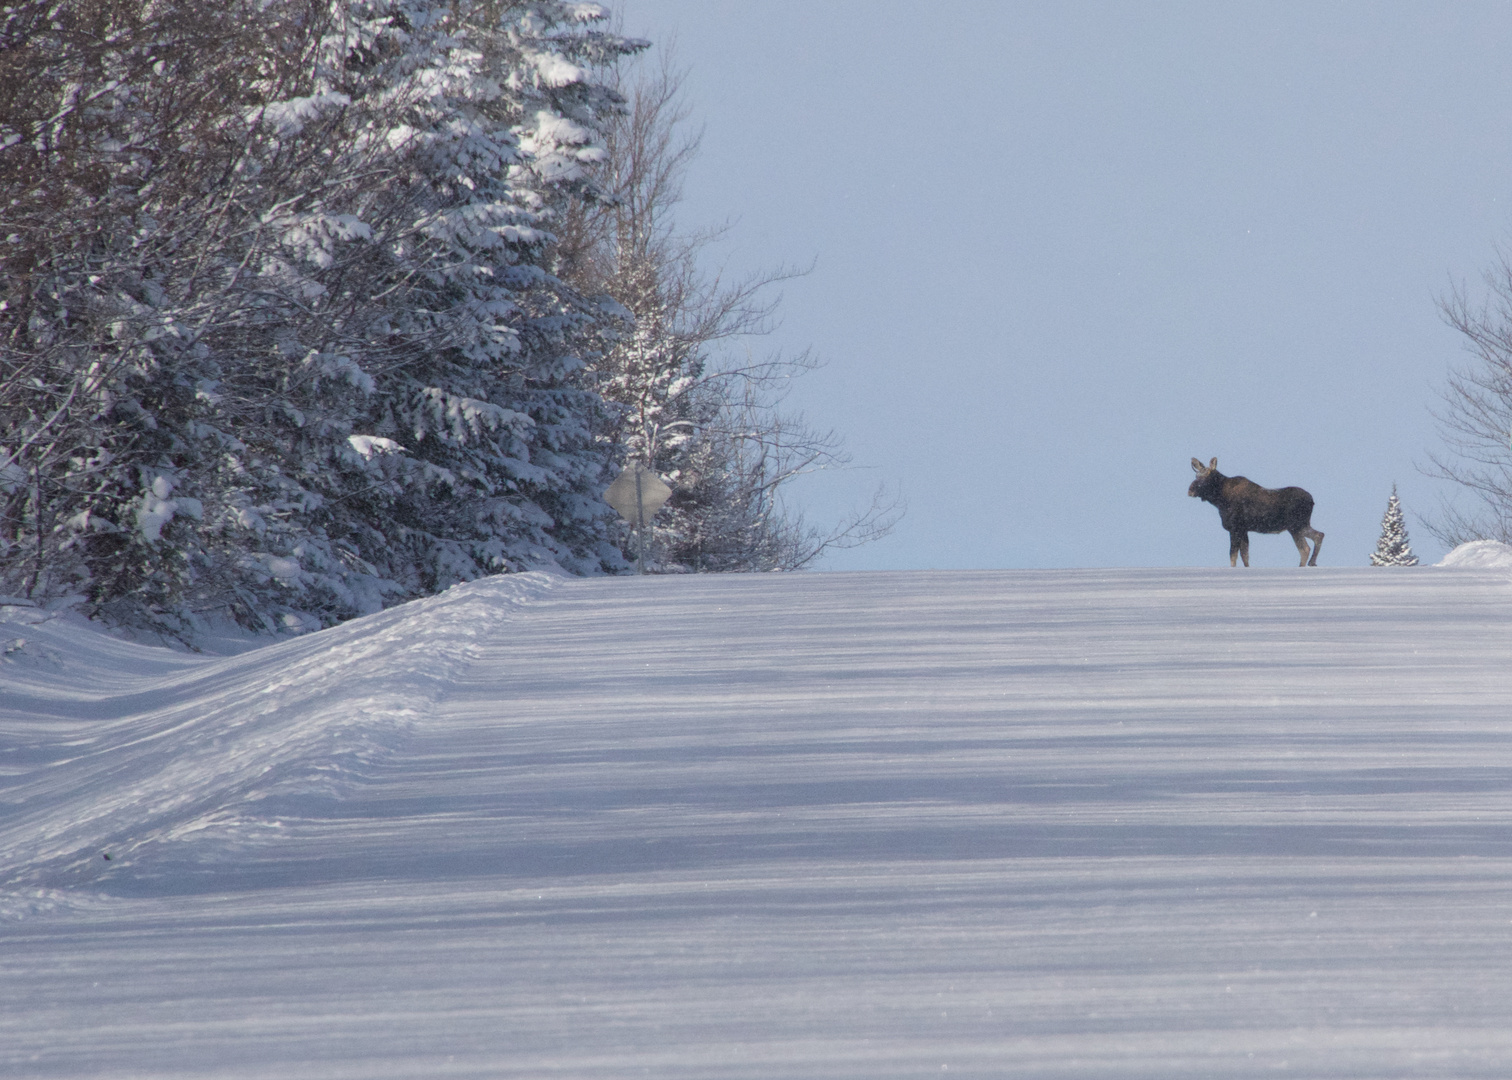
(1393, 549)
(277, 336)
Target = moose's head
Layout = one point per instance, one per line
(1208, 479)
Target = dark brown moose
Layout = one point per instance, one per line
(1245, 507)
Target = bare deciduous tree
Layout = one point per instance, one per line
(693, 404)
(1474, 414)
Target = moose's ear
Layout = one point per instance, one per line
(1197, 466)
(1213, 464)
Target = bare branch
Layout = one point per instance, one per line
(692, 399)
(1474, 414)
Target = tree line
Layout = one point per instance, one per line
(308, 307)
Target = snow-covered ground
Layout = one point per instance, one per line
(1099, 823)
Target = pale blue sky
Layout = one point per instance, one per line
(1062, 248)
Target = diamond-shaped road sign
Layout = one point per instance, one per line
(637, 493)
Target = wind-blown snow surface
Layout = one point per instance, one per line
(1113, 823)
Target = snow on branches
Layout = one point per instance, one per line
(1393, 549)
(277, 334)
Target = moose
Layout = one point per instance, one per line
(1245, 507)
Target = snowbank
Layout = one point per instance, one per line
(1480, 555)
(111, 746)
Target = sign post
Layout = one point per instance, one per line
(637, 494)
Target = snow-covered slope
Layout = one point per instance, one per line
(1113, 823)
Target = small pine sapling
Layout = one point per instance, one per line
(1393, 549)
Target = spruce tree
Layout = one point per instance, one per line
(1393, 548)
(278, 338)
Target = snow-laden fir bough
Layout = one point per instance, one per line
(278, 338)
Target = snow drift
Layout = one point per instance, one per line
(1480, 554)
(115, 746)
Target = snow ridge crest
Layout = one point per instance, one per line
(307, 716)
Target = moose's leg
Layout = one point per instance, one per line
(1238, 547)
(1300, 540)
(1317, 539)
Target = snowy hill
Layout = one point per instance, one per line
(1103, 823)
